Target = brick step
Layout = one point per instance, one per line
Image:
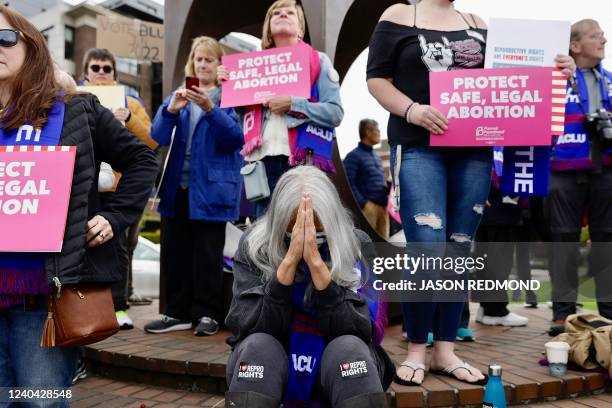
(181, 361)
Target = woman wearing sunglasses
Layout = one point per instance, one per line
(31, 96)
(99, 68)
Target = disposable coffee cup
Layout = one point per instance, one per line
(556, 354)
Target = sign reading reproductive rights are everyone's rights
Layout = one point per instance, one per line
(255, 77)
(495, 107)
(35, 184)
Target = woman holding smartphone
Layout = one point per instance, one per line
(199, 193)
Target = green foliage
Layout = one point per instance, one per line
(150, 223)
(151, 235)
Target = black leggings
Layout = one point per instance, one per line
(570, 194)
(265, 351)
(192, 261)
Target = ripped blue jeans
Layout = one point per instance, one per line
(442, 196)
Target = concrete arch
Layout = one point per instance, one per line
(355, 30)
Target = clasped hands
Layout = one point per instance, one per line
(303, 245)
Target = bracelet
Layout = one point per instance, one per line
(408, 110)
(412, 105)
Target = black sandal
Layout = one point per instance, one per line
(414, 367)
(448, 372)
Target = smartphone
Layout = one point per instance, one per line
(191, 82)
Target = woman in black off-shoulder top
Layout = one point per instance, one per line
(442, 191)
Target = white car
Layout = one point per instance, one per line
(145, 262)
(145, 268)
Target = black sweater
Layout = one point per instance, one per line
(266, 307)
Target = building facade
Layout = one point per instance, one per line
(70, 31)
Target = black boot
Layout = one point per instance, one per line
(373, 400)
(249, 399)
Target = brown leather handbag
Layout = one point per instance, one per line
(80, 315)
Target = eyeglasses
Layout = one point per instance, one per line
(8, 37)
(106, 68)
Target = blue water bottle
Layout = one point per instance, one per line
(494, 395)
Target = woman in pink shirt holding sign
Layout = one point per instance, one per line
(280, 139)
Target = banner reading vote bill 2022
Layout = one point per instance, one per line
(35, 184)
(497, 107)
(255, 77)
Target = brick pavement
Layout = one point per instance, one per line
(104, 392)
(180, 360)
(595, 401)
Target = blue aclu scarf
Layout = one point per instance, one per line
(523, 171)
(572, 150)
(315, 142)
(26, 135)
(306, 343)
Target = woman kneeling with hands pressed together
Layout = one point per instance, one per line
(304, 330)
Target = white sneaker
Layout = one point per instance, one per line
(511, 319)
(480, 314)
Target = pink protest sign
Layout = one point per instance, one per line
(255, 77)
(496, 107)
(35, 183)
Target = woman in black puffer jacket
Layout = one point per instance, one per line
(30, 95)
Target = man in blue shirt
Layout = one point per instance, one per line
(367, 177)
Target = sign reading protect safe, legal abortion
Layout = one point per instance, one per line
(255, 77)
(35, 183)
(494, 107)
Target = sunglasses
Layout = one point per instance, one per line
(106, 68)
(8, 37)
